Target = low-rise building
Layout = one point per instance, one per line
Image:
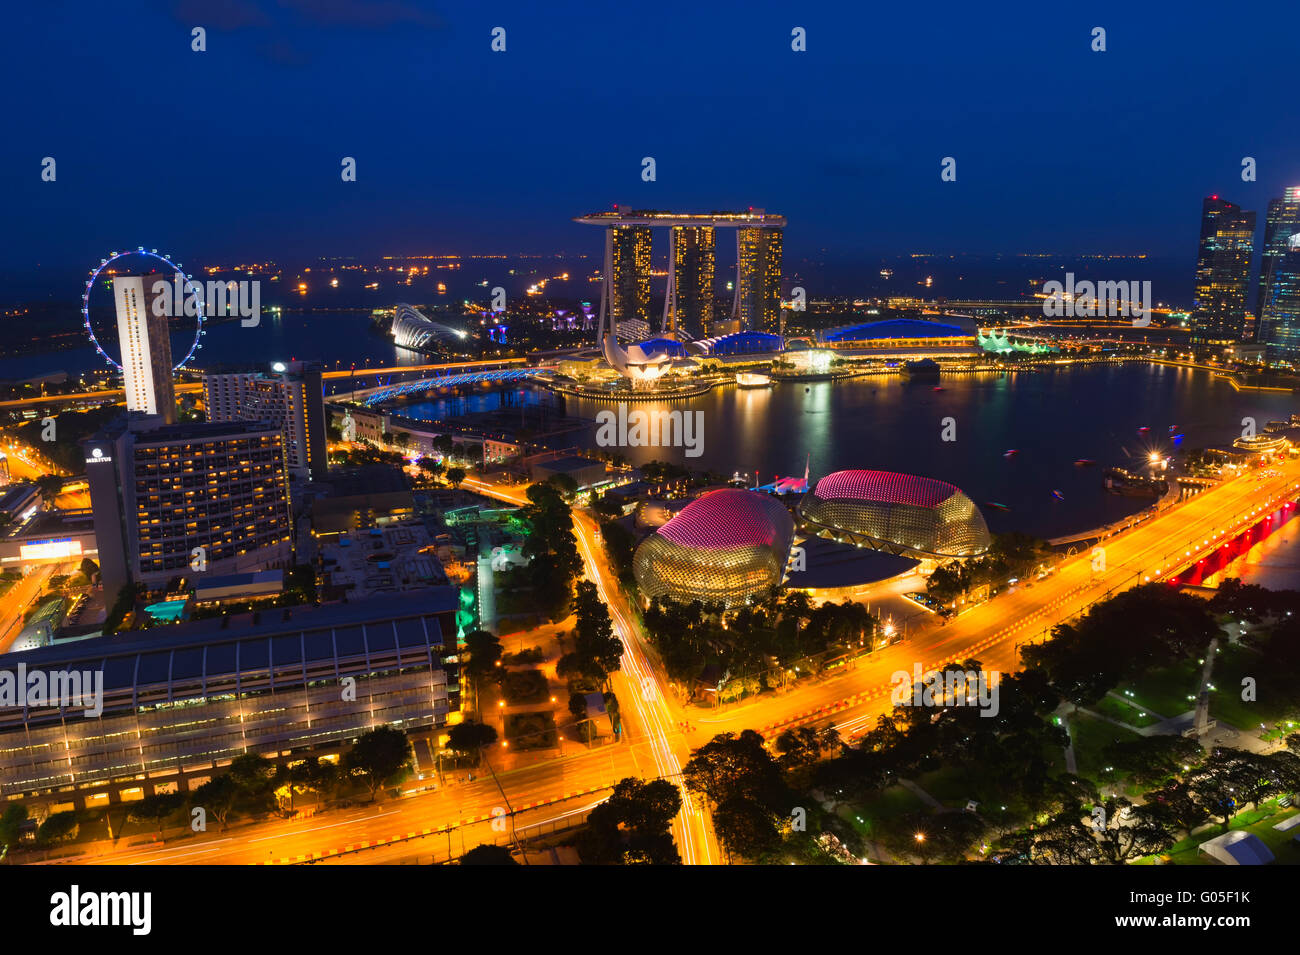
(177, 704)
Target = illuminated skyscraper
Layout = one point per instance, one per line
(146, 344)
(630, 265)
(688, 305)
(291, 396)
(176, 500)
(1279, 275)
(758, 279)
(1222, 272)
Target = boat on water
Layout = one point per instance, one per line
(996, 506)
(1143, 430)
(924, 368)
(1011, 453)
(1084, 463)
(1058, 495)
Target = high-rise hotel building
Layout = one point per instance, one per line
(1279, 277)
(1222, 272)
(630, 268)
(689, 302)
(758, 279)
(161, 491)
(291, 396)
(146, 344)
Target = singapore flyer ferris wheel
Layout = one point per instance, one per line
(176, 269)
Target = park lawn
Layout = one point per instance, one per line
(1166, 691)
(1124, 712)
(890, 803)
(1233, 665)
(1091, 736)
(954, 786)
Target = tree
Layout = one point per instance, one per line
(620, 545)
(469, 737)
(1175, 808)
(1131, 832)
(632, 827)
(315, 775)
(89, 568)
(378, 755)
(217, 797)
(1136, 631)
(1154, 758)
(251, 773)
(455, 476)
(1065, 839)
(488, 855)
(551, 548)
(11, 824)
(578, 705)
(803, 746)
(607, 506)
(735, 766)
(745, 828)
(565, 484)
(57, 827)
(946, 583)
(1231, 778)
(597, 650)
(156, 809)
(484, 651)
(50, 486)
(946, 837)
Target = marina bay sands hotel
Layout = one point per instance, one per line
(689, 301)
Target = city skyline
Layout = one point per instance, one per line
(904, 471)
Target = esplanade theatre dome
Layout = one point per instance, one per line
(723, 547)
(901, 513)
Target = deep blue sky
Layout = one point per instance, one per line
(235, 152)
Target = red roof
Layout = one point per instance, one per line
(728, 517)
(888, 487)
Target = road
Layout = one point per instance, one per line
(648, 712)
(992, 632)
(654, 743)
(469, 807)
(25, 466)
(15, 602)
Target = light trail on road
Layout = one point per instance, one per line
(651, 706)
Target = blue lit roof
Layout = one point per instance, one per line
(894, 328)
(740, 343)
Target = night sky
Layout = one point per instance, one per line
(234, 154)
